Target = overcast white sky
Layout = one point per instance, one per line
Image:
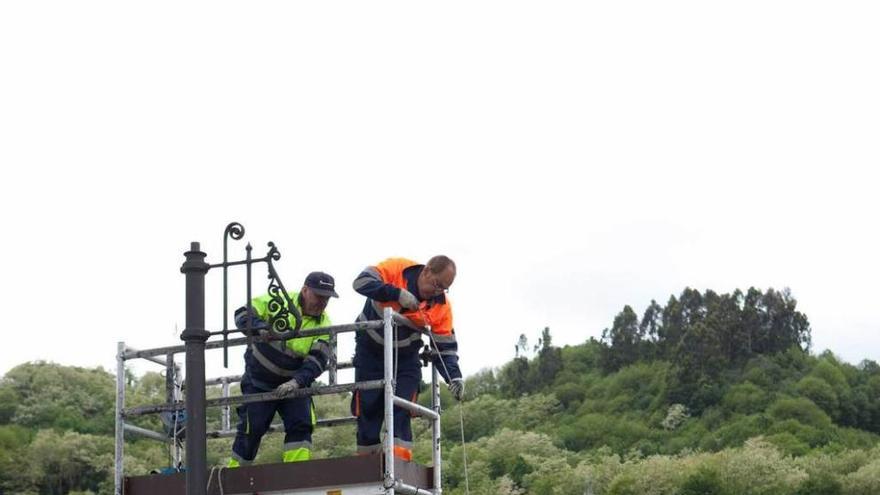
(572, 157)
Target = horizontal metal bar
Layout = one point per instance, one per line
(263, 397)
(280, 426)
(344, 365)
(400, 486)
(217, 344)
(237, 378)
(223, 379)
(148, 358)
(242, 262)
(337, 421)
(146, 433)
(415, 408)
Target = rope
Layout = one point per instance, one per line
(467, 489)
(219, 478)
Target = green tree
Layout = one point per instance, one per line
(623, 341)
(513, 378)
(821, 393)
(61, 462)
(54, 396)
(548, 363)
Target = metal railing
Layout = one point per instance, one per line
(196, 342)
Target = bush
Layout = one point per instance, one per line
(865, 481)
(745, 398)
(821, 393)
(789, 444)
(705, 481)
(803, 410)
(759, 469)
(807, 434)
(735, 432)
(570, 394)
(825, 484)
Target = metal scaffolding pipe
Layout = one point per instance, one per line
(132, 350)
(390, 481)
(265, 396)
(120, 405)
(218, 344)
(331, 362)
(223, 379)
(226, 432)
(415, 408)
(409, 489)
(155, 435)
(435, 430)
(226, 410)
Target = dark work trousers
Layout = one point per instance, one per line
(255, 418)
(369, 407)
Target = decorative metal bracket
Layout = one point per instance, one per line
(280, 306)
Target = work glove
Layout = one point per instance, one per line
(407, 300)
(286, 387)
(456, 388)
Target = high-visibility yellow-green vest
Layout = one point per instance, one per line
(303, 358)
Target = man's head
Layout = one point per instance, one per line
(438, 275)
(317, 290)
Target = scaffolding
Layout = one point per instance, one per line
(378, 474)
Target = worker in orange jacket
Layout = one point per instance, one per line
(417, 292)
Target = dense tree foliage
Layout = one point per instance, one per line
(709, 394)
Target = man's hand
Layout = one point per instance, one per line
(286, 387)
(456, 388)
(407, 300)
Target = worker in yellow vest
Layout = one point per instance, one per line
(282, 366)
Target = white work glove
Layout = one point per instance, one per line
(407, 300)
(286, 387)
(456, 388)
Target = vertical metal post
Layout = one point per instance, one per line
(248, 294)
(389, 403)
(435, 405)
(194, 337)
(178, 395)
(333, 360)
(226, 407)
(169, 377)
(169, 397)
(120, 405)
(225, 300)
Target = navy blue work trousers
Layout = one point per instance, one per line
(369, 408)
(255, 418)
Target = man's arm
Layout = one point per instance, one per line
(446, 358)
(315, 363)
(242, 321)
(369, 283)
(259, 314)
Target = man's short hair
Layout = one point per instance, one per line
(439, 263)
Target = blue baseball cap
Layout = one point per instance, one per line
(322, 284)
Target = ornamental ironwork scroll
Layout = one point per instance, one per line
(284, 317)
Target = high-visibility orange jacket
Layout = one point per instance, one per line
(382, 284)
